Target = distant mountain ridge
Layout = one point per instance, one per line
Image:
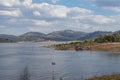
(8, 38)
(63, 35)
(30, 36)
(94, 35)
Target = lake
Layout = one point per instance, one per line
(70, 65)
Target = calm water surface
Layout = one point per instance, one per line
(70, 65)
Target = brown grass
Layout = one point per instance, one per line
(112, 47)
(108, 47)
(107, 77)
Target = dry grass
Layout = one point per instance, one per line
(108, 47)
(112, 47)
(107, 77)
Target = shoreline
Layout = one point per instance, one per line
(106, 77)
(104, 47)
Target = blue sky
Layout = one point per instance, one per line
(20, 16)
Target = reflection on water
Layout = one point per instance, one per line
(25, 75)
(70, 65)
(113, 54)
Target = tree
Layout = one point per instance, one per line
(108, 38)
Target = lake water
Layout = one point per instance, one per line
(70, 65)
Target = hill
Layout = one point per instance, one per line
(32, 36)
(94, 35)
(65, 35)
(8, 38)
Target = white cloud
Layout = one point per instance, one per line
(36, 13)
(41, 23)
(117, 9)
(48, 10)
(102, 19)
(108, 4)
(15, 13)
(9, 3)
(46, 17)
(86, 26)
(27, 2)
(59, 11)
(79, 13)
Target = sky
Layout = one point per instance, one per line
(21, 16)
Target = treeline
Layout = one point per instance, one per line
(2, 40)
(108, 38)
(115, 37)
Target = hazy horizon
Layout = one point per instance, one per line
(54, 31)
(45, 16)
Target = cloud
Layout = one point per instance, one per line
(108, 4)
(27, 2)
(41, 23)
(79, 12)
(9, 3)
(15, 13)
(2, 27)
(117, 9)
(102, 19)
(44, 17)
(36, 13)
(48, 10)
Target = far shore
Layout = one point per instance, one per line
(106, 47)
(106, 77)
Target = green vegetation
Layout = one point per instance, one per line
(72, 45)
(107, 47)
(109, 43)
(107, 77)
(108, 38)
